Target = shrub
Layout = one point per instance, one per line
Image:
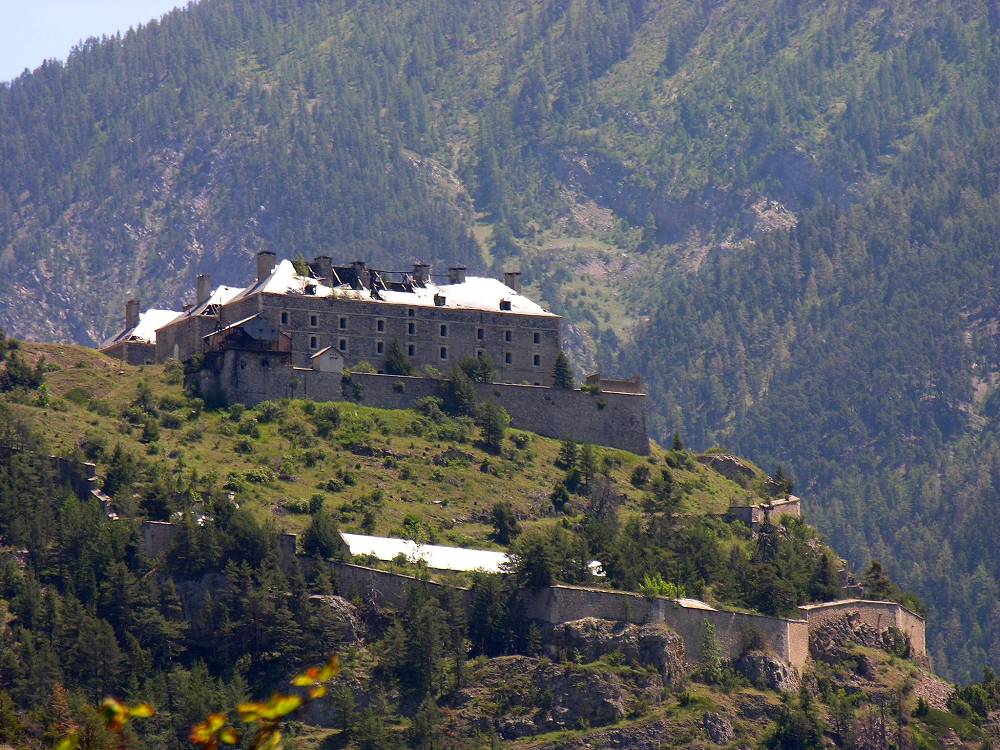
(655, 585)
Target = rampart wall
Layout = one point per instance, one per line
(789, 639)
(878, 614)
(786, 638)
(617, 420)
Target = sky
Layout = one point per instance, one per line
(35, 30)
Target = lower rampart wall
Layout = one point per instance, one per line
(617, 420)
(735, 631)
(879, 615)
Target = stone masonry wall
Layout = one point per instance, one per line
(613, 419)
(786, 638)
(878, 614)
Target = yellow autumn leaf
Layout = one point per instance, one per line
(229, 736)
(141, 711)
(70, 742)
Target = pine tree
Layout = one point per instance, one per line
(562, 374)
(677, 444)
(396, 362)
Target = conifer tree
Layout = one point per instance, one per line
(562, 375)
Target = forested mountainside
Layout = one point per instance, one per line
(782, 213)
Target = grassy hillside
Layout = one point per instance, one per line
(280, 455)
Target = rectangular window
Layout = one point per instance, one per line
(444, 352)
(537, 337)
(411, 328)
(313, 342)
(411, 350)
(444, 329)
(410, 312)
(343, 324)
(342, 345)
(284, 317)
(508, 336)
(313, 321)
(379, 347)
(480, 334)
(480, 354)
(380, 325)
(507, 358)
(537, 360)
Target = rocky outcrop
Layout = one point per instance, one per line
(342, 623)
(730, 467)
(521, 696)
(767, 672)
(655, 646)
(719, 728)
(828, 642)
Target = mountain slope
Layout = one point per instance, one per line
(782, 213)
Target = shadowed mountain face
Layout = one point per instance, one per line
(783, 214)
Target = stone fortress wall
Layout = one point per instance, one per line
(786, 638)
(880, 615)
(612, 419)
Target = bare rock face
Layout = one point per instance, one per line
(342, 622)
(655, 646)
(537, 695)
(718, 728)
(828, 641)
(730, 467)
(768, 672)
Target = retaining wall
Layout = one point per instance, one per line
(617, 420)
(877, 614)
(788, 639)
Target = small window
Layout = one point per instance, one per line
(379, 347)
(508, 335)
(480, 354)
(411, 350)
(537, 360)
(313, 321)
(411, 328)
(507, 358)
(410, 312)
(380, 325)
(444, 329)
(444, 352)
(342, 345)
(343, 325)
(313, 342)
(284, 317)
(537, 337)
(480, 334)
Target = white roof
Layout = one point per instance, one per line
(475, 293)
(145, 330)
(437, 557)
(433, 555)
(220, 296)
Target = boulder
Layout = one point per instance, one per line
(718, 728)
(654, 645)
(768, 672)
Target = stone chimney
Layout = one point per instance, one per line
(323, 267)
(421, 273)
(456, 275)
(132, 313)
(204, 288)
(513, 280)
(266, 261)
(361, 276)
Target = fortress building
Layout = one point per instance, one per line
(298, 327)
